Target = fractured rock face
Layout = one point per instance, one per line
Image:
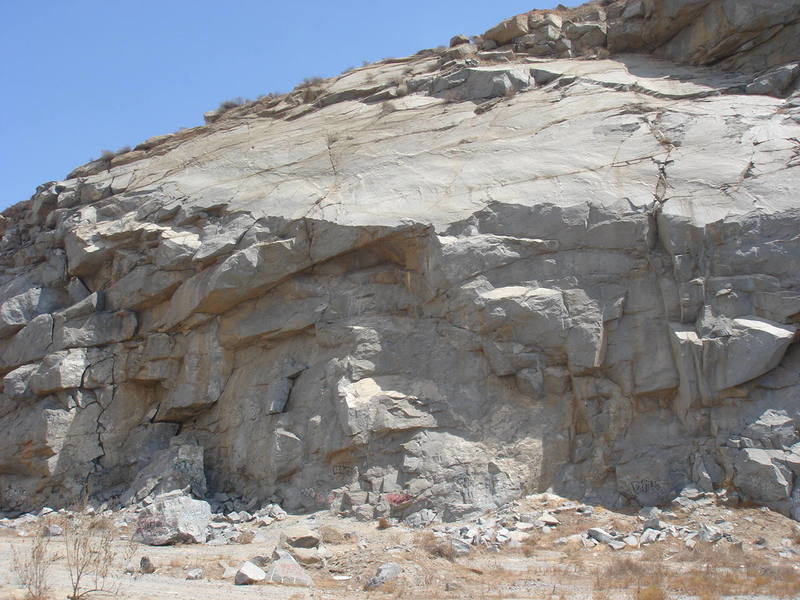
(457, 280)
(175, 468)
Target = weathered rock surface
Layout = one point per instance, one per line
(454, 280)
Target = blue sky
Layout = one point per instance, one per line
(81, 76)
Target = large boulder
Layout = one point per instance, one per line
(733, 352)
(761, 476)
(173, 519)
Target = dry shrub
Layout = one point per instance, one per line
(332, 535)
(654, 552)
(435, 546)
(310, 94)
(309, 82)
(713, 554)
(651, 592)
(227, 105)
(90, 555)
(33, 565)
(530, 544)
(310, 89)
(713, 581)
(796, 537)
(703, 582)
(627, 573)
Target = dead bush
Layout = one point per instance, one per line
(108, 155)
(90, 555)
(32, 565)
(309, 93)
(227, 105)
(309, 82)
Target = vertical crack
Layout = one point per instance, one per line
(330, 140)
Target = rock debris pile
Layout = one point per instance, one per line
(314, 550)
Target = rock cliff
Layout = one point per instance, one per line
(563, 254)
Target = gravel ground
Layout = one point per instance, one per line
(543, 566)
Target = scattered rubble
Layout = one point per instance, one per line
(532, 526)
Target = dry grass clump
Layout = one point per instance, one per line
(654, 553)
(714, 581)
(718, 555)
(107, 155)
(651, 592)
(434, 546)
(628, 574)
(531, 544)
(709, 572)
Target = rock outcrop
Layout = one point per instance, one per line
(438, 282)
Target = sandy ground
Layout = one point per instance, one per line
(541, 567)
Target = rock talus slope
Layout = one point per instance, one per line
(549, 257)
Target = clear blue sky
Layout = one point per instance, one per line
(80, 76)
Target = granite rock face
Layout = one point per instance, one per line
(431, 283)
